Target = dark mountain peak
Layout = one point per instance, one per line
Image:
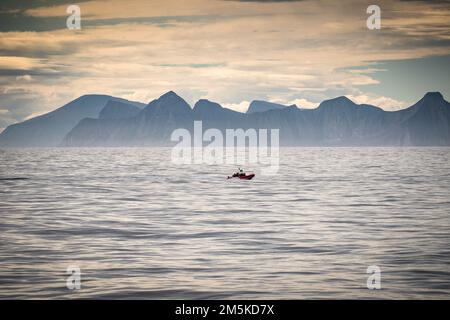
(206, 105)
(338, 101)
(169, 101)
(169, 95)
(259, 101)
(292, 107)
(433, 96)
(92, 98)
(87, 99)
(263, 106)
(344, 99)
(94, 95)
(346, 105)
(430, 101)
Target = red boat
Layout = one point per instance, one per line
(242, 175)
(247, 176)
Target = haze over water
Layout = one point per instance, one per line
(141, 227)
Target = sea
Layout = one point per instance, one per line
(128, 223)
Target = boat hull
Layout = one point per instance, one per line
(247, 177)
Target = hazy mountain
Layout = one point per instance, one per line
(341, 121)
(151, 126)
(262, 106)
(336, 122)
(429, 123)
(426, 123)
(49, 129)
(214, 115)
(115, 109)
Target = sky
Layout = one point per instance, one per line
(227, 51)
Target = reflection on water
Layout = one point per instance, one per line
(141, 227)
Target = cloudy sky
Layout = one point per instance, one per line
(228, 51)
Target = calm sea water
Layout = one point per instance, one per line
(141, 227)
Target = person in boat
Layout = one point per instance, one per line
(241, 172)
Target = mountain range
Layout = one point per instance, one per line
(49, 129)
(100, 120)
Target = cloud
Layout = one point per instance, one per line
(266, 1)
(240, 107)
(19, 63)
(20, 5)
(25, 77)
(385, 103)
(231, 52)
(303, 103)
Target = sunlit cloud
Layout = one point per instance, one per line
(231, 52)
(386, 103)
